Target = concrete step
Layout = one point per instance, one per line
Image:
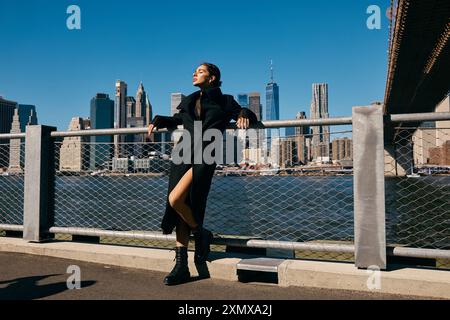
(260, 264)
(261, 270)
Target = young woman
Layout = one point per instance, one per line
(189, 183)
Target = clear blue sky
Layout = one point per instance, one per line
(161, 42)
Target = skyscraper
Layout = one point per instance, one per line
(272, 100)
(15, 163)
(27, 116)
(121, 105)
(342, 149)
(87, 123)
(321, 134)
(102, 117)
(303, 134)
(131, 107)
(141, 100)
(175, 100)
(303, 130)
(73, 152)
(254, 104)
(297, 131)
(120, 114)
(6, 114)
(299, 135)
(138, 115)
(290, 131)
(148, 110)
(287, 151)
(243, 100)
(272, 107)
(6, 118)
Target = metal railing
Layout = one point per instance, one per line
(12, 164)
(118, 190)
(295, 203)
(418, 186)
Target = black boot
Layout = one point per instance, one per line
(180, 273)
(203, 239)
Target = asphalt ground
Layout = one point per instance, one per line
(29, 277)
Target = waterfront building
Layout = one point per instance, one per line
(321, 134)
(102, 117)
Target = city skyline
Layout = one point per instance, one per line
(129, 107)
(74, 65)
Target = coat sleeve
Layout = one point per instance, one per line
(237, 111)
(171, 123)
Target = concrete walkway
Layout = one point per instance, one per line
(34, 277)
(36, 271)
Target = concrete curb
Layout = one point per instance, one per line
(332, 275)
(221, 267)
(419, 282)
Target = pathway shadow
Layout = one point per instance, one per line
(28, 288)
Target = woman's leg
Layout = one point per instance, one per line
(183, 232)
(203, 237)
(177, 200)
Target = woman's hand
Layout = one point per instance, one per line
(242, 122)
(155, 123)
(151, 127)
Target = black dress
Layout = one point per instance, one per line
(217, 110)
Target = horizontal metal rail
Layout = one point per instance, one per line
(11, 227)
(307, 122)
(418, 253)
(414, 117)
(236, 242)
(143, 130)
(261, 125)
(10, 136)
(137, 235)
(102, 132)
(319, 247)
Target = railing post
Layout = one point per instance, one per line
(369, 197)
(39, 182)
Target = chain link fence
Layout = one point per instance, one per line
(418, 187)
(123, 187)
(110, 186)
(12, 164)
(303, 199)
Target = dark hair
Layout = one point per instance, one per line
(213, 71)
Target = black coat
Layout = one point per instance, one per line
(217, 111)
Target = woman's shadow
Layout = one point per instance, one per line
(28, 288)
